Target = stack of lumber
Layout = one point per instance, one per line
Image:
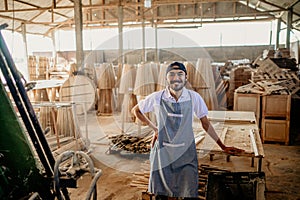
(270, 79)
(32, 67)
(43, 67)
(38, 67)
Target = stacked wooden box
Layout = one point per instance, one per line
(269, 97)
(275, 124)
(272, 114)
(238, 77)
(248, 102)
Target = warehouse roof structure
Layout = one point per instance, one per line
(43, 17)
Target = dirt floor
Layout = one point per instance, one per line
(280, 165)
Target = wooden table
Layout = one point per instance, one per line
(235, 128)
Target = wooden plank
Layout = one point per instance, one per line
(253, 142)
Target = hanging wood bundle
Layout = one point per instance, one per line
(127, 79)
(129, 102)
(105, 76)
(144, 82)
(155, 71)
(162, 83)
(90, 71)
(205, 83)
(80, 90)
(118, 72)
(105, 102)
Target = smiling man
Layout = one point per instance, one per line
(173, 157)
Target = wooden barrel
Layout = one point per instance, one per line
(80, 90)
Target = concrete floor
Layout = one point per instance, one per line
(281, 163)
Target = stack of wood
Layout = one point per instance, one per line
(269, 87)
(271, 79)
(132, 142)
(43, 67)
(32, 67)
(106, 83)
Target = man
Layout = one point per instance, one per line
(173, 157)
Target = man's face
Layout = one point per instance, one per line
(176, 79)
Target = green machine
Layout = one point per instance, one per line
(28, 169)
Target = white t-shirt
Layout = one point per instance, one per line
(152, 101)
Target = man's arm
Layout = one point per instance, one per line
(137, 113)
(211, 131)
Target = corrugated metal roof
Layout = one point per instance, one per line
(44, 16)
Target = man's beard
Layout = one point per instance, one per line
(177, 87)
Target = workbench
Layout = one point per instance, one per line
(235, 128)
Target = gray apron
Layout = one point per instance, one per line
(173, 159)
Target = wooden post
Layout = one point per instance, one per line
(78, 33)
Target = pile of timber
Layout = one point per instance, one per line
(132, 142)
(270, 87)
(269, 79)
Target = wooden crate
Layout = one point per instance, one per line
(275, 130)
(276, 106)
(247, 102)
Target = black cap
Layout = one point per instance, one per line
(176, 65)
